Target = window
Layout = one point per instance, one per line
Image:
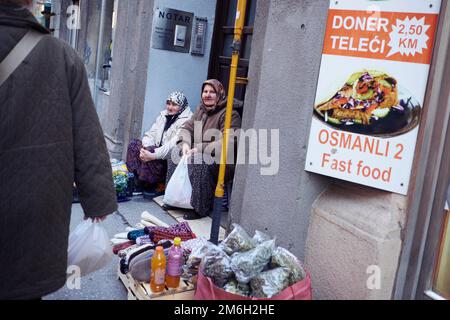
(95, 42)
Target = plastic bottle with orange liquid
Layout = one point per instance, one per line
(158, 274)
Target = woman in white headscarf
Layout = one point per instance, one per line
(147, 158)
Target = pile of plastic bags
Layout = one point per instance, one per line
(247, 266)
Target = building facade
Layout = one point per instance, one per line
(356, 241)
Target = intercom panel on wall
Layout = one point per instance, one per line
(199, 36)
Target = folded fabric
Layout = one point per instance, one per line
(181, 230)
(133, 235)
(139, 226)
(115, 241)
(147, 255)
(140, 268)
(123, 253)
(125, 262)
(123, 235)
(122, 246)
(147, 224)
(154, 220)
(144, 240)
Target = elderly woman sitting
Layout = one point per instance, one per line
(203, 175)
(147, 158)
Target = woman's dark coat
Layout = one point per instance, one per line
(50, 136)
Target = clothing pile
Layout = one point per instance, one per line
(246, 266)
(123, 180)
(136, 246)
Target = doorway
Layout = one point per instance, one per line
(221, 52)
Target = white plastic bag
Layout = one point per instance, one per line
(179, 190)
(89, 247)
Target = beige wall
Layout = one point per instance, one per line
(354, 242)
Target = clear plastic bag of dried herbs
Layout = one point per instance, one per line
(283, 258)
(249, 264)
(237, 241)
(270, 283)
(217, 266)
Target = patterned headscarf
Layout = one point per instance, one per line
(218, 88)
(180, 99)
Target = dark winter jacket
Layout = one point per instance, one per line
(50, 137)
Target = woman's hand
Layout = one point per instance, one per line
(146, 156)
(97, 219)
(186, 150)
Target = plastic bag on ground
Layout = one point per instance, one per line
(283, 258)
(249, 264)
(260, 237)
(237, 241)
(89, 247)
(190, 269)
(235, 287)
(270, 283)
(179, 190)
(217, 266)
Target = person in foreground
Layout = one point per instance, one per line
(50, 137)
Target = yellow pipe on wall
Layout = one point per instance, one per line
(238, 30)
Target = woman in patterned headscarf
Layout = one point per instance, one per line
(147, 158)
(209, 117)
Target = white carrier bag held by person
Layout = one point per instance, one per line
(179, 190)
(89, 247)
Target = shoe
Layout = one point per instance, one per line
(149, 195)
(137, 188)
(167, 207)
(192, 215)
(130, 185)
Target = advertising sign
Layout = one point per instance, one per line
(371, 89)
